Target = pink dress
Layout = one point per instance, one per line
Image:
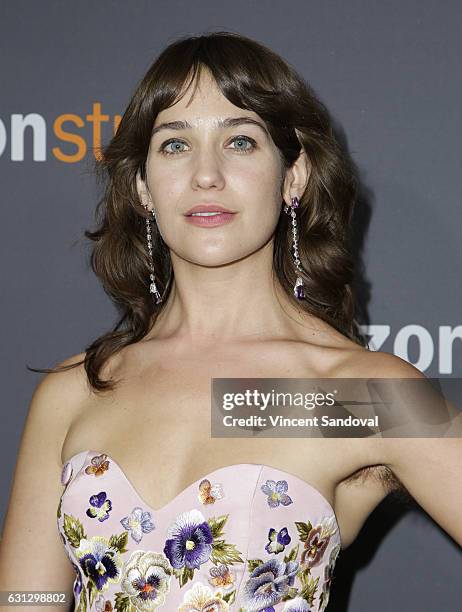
(246, 537)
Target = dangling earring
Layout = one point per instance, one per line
(152, 287)
(290, 210)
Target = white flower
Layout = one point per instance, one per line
(297, 604)
(200, 598)
(147, 573)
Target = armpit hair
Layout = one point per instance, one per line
(382, 474)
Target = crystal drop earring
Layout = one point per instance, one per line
(299, 291)
(152, 287)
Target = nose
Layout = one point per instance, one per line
(207, 171)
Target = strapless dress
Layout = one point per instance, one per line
(243, 538)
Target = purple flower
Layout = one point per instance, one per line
(189, 540)
(268, 583)
(278, 540)
(99, 561)
(100, 506)
(138, 523)
(277, 493)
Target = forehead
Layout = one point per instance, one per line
(203, 101)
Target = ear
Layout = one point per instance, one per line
(143, 192)
(297, 177)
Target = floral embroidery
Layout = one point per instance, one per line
(98, 557)
(192, 541)
(315, 546)
(99, 603)
(100, 506)
(316, 540)
(200, 598)
(99, 561)
(278, 540)
(189, 541)
(103, 605)
(99, 465)
(268, 583)
(222, 576)
(208, 493)
(137, 523)
(276, 492)
(297, 604)
(110, 578)
(145, 581)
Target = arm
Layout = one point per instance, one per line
(32, 555)
(429, 468)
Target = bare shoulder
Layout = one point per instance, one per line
(55, 401)
(70, 374)
(374, 453)
(377, 364)
(59, 394)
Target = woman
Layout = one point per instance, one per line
(224, 241)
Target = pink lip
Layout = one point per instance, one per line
(208, 208)
(212, 220)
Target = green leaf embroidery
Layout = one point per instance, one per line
(309, 591)
(73, 529)
(293, 554)
(253, 563)
(122, 602)
(184, 574)
(119, 542)
(92, 591)
(58, 514)
(303, 529)
(217, 524)
(229, 597)
(304, 575)
(290, 594)
(225, 553)
(82, 606)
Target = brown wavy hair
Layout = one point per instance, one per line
(250, 76)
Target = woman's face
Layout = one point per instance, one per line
(237, 167)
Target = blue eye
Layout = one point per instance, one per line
(245, 139)
(176, 142)
(169, 142)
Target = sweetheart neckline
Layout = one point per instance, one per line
(208, 476)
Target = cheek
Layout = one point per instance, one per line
(265, 168)
(166, 188)
(259, 184)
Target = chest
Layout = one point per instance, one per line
(164, 398)
(159, 418)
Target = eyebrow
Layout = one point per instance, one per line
(221, 123)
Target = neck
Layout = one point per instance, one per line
(229, 302)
